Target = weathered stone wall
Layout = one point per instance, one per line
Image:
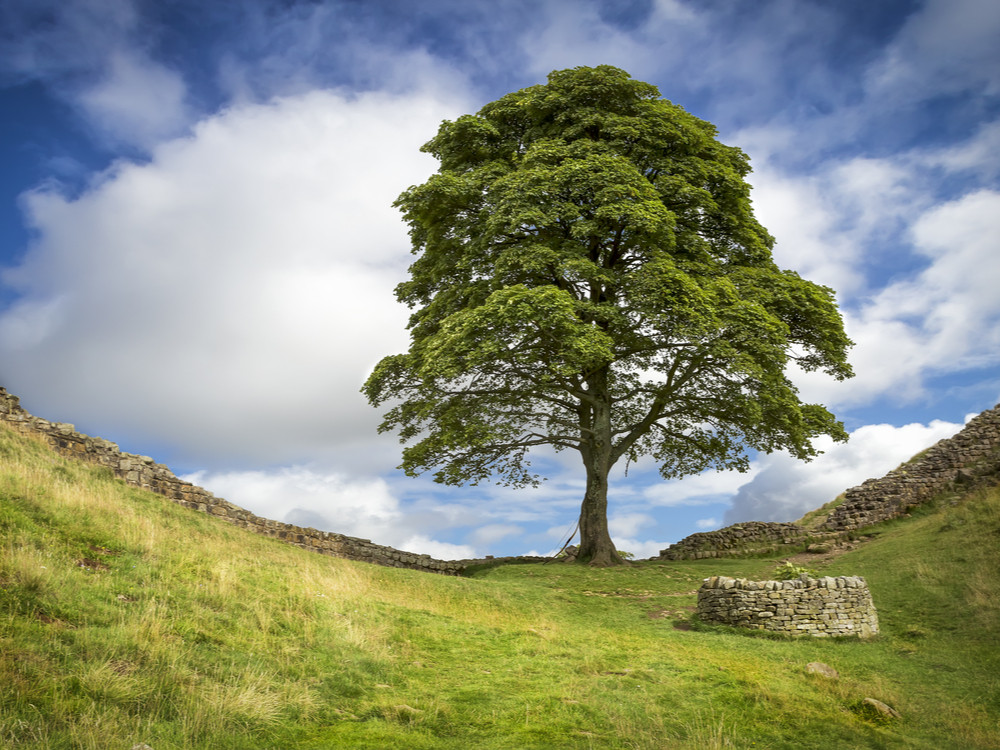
(972, 457)
(820, 607)
(739, 540)
(143, 472)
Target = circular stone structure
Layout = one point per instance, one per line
(820, 607)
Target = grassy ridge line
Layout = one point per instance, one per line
(144, 472)
(125, 619)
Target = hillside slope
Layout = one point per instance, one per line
(127, 619)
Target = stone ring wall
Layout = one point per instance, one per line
(820, 607)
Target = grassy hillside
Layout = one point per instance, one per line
(125, 619)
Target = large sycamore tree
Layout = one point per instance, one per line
(590, 276)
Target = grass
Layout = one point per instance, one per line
(815, 518)
(126, 619)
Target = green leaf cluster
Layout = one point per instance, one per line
(589, 274)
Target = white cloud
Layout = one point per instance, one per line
(873, 197)
(699, 489)
(827, 220)
(137, 102)
(94, 55)
(960, 239)
(810, 238)
(690, 49)
(707, 523)
(244, 276)
(641, 550)
(946, 47)
(628, 524)
(571, 34)
(423, 545)
(333, 501)
(915, 276)
(980, 154)
(494, 532)
(785, 488)
(626, 530)
(293, 48)
(411, 515)
(943, 318)
(361, 507)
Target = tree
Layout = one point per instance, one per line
(590, 276)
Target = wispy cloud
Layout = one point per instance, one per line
(946, 47)
(62, 42)
(93, 55)
(136, 102)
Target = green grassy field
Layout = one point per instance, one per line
(126, 619)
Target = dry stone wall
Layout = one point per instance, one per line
(144, 472)
(739, 540)
(820, 607)
(970, 458)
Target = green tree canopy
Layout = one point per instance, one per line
(590, 276)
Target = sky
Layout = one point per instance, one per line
(198, 249)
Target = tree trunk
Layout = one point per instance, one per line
(596, 546)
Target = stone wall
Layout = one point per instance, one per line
(970, 458)
(820, 607)
(739, 540)
(144, 472)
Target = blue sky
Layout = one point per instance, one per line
(198, 251)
